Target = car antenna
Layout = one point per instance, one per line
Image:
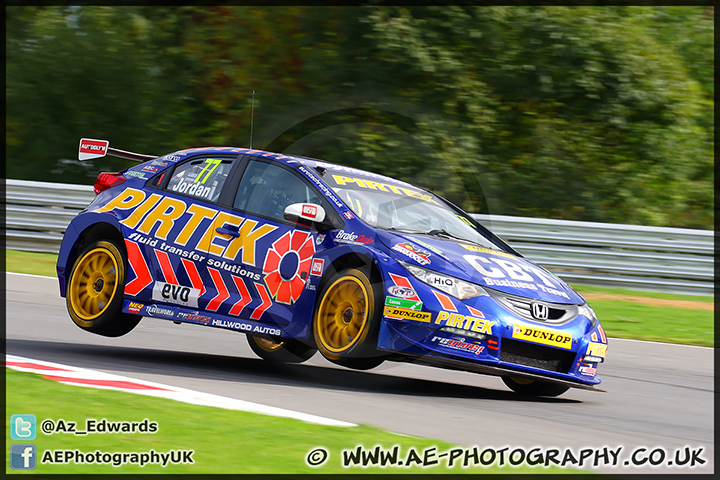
(252, 117)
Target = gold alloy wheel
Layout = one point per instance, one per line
(93, 285)
(343, 315)
(268, 344)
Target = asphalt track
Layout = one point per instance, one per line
(659, 395)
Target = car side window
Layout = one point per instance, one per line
(202, 178)
(267, 189)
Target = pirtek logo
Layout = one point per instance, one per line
(465, 322)
(161, 215)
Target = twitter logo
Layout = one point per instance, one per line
(23, 427)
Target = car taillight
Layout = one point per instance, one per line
(107, 180)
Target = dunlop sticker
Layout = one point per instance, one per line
(543, 336)
(404, 313)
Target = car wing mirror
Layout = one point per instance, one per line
(304, 213)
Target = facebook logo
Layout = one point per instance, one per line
(22, 457)
(23, 427)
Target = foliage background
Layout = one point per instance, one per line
(581, 113)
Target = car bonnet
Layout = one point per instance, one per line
(476, 264)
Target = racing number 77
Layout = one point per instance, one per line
(209, 162)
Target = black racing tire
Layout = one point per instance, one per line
(276, 350)
(94, 295)
(360, 363)
(526, 386)
(347, 319)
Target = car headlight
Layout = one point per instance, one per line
(459, 289)
(588, 312)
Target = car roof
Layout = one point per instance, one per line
(292, 161)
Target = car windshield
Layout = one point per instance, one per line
(395, 206)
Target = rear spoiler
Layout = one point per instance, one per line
(92, 148)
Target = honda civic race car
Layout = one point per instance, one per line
(303, 255)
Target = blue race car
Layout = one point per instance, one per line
(303, 255)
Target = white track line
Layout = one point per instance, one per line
(91, 378)
(30, 275)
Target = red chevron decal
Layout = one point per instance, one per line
(166, 267)
(192, 272)
(267, 303)
(475, 311)
(245, 297)
(445, 301)
(223, 293)
(143, 278)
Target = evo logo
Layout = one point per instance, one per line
(178, 294)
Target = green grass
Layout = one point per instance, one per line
(31, 262)
(638, 293)
(655, 323)
(224, 441)
(619, 318)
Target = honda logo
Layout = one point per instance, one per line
(540, 311)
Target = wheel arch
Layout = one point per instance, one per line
(98, 230)
(351, 260)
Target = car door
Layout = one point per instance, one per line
(258, 262)
(168, 230)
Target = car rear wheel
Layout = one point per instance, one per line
(347, 320)
(286, 350)
(94, 294)
(527, 386)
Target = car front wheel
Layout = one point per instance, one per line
(94, 294)
(347, 320)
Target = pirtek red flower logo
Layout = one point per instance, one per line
(287, 265)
